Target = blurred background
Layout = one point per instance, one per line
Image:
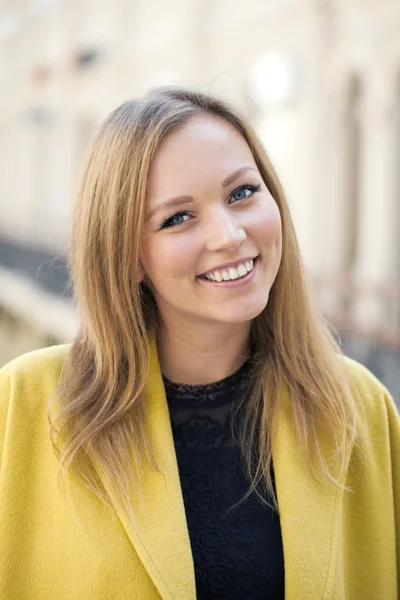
(318, 79)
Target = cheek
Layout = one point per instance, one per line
(170, 255)
(266, 224)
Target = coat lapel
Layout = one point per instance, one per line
(309, 514)
(160, 535)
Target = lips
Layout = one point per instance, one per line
(229, 265)
(238, 269)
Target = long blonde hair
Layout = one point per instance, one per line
(98, 422)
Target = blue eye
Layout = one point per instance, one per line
(244, 192)
(176, 219)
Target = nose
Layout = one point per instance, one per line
(225, 233)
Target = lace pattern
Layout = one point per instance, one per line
(237, 551)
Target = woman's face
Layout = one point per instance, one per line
(212, 234)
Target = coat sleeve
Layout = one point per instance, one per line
(5, 390)
(394, 430)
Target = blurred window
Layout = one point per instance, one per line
(87, 58)
(42, 6)
(397, 175)
(352, 152)
(9, 25)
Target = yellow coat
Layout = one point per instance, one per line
(337, 545)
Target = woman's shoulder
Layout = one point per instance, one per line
(361, 376)
(376, 401)
(26, 385)
(36, 362)
(34, 371)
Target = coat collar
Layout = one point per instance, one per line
(309, 513)
(159, 534)
(309, 516)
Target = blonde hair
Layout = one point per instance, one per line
(98, 424)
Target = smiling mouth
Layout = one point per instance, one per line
(231, 273)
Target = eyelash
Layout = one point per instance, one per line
(253, 188)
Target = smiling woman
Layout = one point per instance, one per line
(203, 402)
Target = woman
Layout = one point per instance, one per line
(211, 439)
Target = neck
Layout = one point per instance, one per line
(203, 356)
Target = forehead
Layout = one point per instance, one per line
(204, 148)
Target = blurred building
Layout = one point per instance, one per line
(320, 81)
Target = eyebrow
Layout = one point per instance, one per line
(231, 178)
(179, 200)
(172, 203)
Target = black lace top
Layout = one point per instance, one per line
(237, 552)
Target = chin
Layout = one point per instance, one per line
(244, 315)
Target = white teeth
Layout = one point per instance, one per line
(242, 270)
(231, 273)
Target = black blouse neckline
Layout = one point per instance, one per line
(206, 390)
